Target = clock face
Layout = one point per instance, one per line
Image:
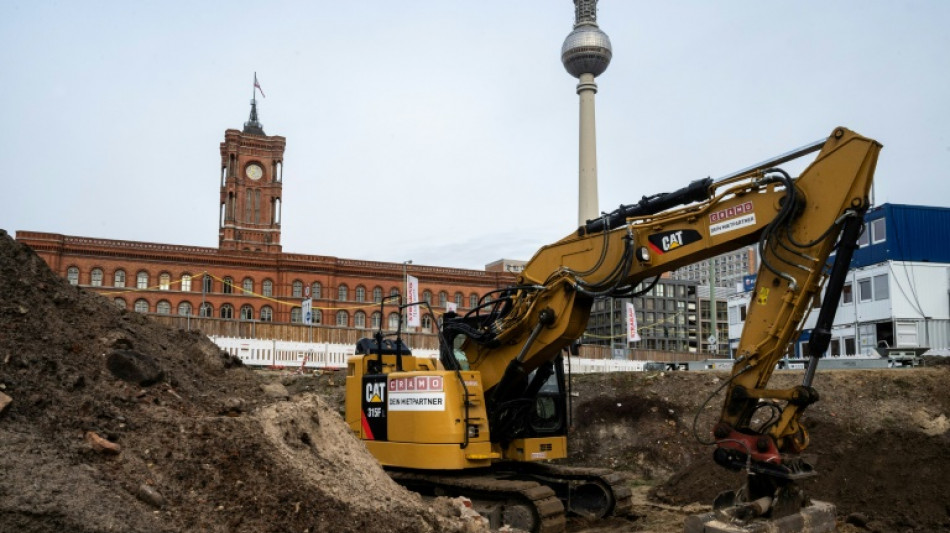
(254, 171)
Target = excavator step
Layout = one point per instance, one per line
(819, 517)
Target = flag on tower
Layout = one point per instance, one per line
(258, 86)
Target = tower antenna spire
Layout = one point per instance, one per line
(586, 53)
(253, 125)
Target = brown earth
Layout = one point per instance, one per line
(209, 445)
(880, 442)
(203, 443)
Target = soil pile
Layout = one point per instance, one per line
(114, 423)
(879, 440)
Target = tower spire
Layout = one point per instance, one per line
(253, 125)
(586, 53)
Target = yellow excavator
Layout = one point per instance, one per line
(487, 416)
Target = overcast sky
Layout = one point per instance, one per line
(444, 132)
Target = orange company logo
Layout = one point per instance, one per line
(416, 384)
(730, 212)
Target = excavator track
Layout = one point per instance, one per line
(589, 492)
(527, 505)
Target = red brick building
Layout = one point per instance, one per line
(248, 277)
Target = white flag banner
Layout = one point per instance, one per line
(307, 310)
(412, 296)
(633, 334)
(451, 306)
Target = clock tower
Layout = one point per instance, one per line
(252, 165)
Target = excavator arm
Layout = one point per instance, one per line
(798, 223)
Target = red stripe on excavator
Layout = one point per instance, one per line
(366, 430)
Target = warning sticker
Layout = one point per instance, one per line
(734, 224)
(417, 401)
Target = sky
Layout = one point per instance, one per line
(444, 131)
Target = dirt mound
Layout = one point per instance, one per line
(879, 439)
(115, 423)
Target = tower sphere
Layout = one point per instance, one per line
(586, 50)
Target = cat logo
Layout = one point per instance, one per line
(376, 392)
(673, 240)
(666, 241)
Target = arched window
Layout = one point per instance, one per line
(164, 281)
(317, 316)
(163, 308)
(226, 311)
(141, 280)
(119, 302)
(295, 315)
(247, 285)
(296, 289)
(360, 293)
(342, 293)
(393, 321)
(377, 294)
(376, 320)
(207, 283)
(394, 293)
(72, 275)
(443, 298)
(186, 283)
(247, 312)
(267, 314)
(95, 277)
(184, 309)
(141, 306)
(228, 285)
(267, 288)
(427, 323)
(315, 290)
(458, 299)
(118, 279)
(427, 296)
(473, 300)
(206, 310)
(342, 318)
(359, 320)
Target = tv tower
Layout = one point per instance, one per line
(586, 53)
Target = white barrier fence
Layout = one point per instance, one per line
(576, 365)
(325, 355)
(315, 355)
(264, 352)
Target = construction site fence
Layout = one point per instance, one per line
(271, 353)
(419, 341)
